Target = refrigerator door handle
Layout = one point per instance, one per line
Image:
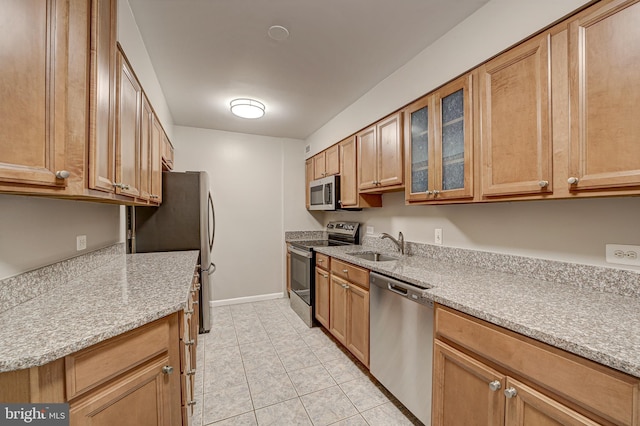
(211, 269)
(211, 223)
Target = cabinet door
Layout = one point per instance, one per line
(146, 123)
(348, 180)
(323, 299)
(35, 54)
(319, 169)
(419, 131)
(308, 167)
(128, 99)
(338, 309)
(141, 398)
(528, 407)
(516, 131)
(101, 105)
(454, 140)
(605, 97)
(390, 156)
(332, 160)
(367, 159)
(156, 161)
(358, 323)
(461, 392)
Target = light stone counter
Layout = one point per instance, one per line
(603, 326)
(125, 292)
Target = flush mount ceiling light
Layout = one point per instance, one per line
(247, 108)
(278, 32)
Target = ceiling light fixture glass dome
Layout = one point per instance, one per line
(247, 108)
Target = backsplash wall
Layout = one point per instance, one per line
(36, 232)
(565, 230)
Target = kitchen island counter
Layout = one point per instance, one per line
(598, 325)
(124, 293)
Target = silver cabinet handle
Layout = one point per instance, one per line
(190, 342)
(346, 271)
(324, 276)
(167, 369)
(495, 385)
(436, 192)
(191, 372)
(121, 185)
(189, 312)
(543, 183)
(345, 286)
(320, 260)
(573, 180)
(192, 403)
(62, 174)
(510, 392)
(154, 196)
(428, 192)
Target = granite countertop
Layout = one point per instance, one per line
(124, 293)
(600, 326)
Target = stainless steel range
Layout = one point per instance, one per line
(303, 263)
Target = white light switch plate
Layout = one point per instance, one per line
(369, 230)
(623, 254)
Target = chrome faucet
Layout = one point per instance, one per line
(399, 242)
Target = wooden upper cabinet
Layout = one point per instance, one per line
(167, 152)
(146, 123)
(156, 161)
(308, 171)
(332, 160)
(380, 155)
(326, 163)
(349, 196)
(515, 94)
(319, 169)
(128, 111)
(439, 144)
(33, 82)
(604, 59)
(102, 102)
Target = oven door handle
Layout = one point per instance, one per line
(302, 253)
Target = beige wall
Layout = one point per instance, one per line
(257, 185)
(36, 232)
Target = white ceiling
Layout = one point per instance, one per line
(207, 52)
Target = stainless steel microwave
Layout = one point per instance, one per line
(324, 193)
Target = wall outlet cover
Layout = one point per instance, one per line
(437, 237)
(369, 230)
(81, 242)
(623, 254)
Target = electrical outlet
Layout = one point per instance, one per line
(437, 236)
(369, 230)
(81, 242)
(623, 254)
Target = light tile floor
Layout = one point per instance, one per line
(261, 365)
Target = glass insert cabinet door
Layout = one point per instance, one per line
(439, 132)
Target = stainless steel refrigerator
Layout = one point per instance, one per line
(184, 221)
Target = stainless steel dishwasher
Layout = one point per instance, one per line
(401, 326)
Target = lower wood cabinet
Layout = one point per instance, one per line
(349, 308)
(323, 290)
(486, 375)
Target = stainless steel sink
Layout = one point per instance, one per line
(373, 256)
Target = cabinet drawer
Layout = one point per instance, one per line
(97, 364)
(351, 273)
(599, 389)
(323, 261)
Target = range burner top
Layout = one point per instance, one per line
(310, 244)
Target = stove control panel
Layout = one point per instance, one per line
(343, 228)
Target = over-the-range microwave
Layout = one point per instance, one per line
(324, 193)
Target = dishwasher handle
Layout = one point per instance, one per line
(401, 288)
(397, 289)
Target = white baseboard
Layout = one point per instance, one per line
(249, 299)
